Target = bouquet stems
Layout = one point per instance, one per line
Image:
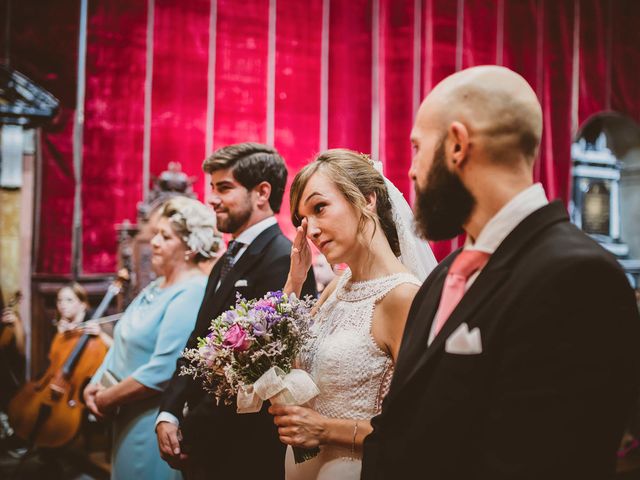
(303, 454)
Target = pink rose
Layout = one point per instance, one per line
(265, 303)
(236, 338)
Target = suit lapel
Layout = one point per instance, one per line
(484, 288)
(242, 266)
(419, 325)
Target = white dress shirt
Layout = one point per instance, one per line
(501, 225)
(246, 238)
(249, 235)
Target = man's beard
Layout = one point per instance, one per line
(234, 219)
(445, 204)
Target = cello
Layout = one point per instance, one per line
(48, 412)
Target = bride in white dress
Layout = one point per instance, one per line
(342, 204)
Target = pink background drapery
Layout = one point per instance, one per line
(113, 130)
(260, 73)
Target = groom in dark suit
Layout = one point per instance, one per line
(213, 441)
(519, 358)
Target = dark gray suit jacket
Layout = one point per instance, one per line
(218, 440)
(548, 396)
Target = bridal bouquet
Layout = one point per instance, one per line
(249, 353)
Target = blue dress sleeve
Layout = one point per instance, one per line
(177, 324)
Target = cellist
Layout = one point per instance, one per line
(47, 412)
(72, 309)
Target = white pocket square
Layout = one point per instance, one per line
(241, 283)
(464, 342)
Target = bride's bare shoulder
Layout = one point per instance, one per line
(326, 293)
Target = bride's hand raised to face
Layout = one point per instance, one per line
(300, 260)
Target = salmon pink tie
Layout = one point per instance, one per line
(465, 264)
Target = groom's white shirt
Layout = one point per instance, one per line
(500, 226)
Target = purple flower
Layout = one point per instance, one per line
(230, 316)
(209, 354)
(259, 329)
(277, 295)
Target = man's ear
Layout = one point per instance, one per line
(458, 148)
(263, 192)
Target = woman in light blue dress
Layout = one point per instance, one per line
(149, 338)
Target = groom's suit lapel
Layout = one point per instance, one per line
(419, 355)
(249, 258)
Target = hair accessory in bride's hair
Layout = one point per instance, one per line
(366, 157)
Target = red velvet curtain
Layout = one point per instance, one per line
(555, 153)
(113, 131)
(396, 67)
(297, 110)
(480, 33)
(350, 75)
(625, 57)
(242, 37)
(180, 85)
(521, 40)
(594, 41)
(534, 37)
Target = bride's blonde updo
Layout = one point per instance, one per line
(356, 178)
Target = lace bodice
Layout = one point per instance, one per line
(351, 371)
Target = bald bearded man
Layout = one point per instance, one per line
(518, 358)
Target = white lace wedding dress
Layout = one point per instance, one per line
(351, 371)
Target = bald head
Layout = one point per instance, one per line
(496, 105)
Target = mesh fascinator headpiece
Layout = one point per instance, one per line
(195, 223)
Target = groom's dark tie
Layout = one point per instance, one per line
(228, 258)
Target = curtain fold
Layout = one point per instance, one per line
(350, 70)
(625, 58)
(555, 152)
(520, 41)
(113, 131)
(296, 109)
(536, 39)
(480, 33)
(594, 19)
(242, 37)
(396, 68)
(179, 96)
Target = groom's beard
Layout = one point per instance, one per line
(445, 204)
